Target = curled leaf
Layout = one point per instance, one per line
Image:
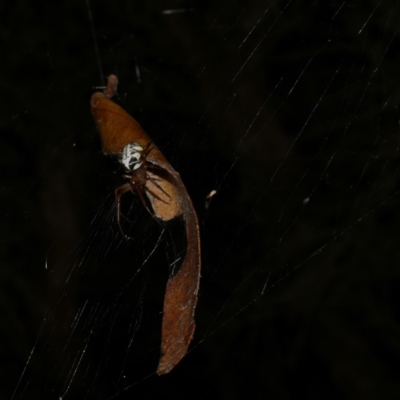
(169, 199)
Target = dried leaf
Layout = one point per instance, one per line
(169, 199)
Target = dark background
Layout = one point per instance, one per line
(296, 127)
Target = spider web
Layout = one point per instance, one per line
(289, 112)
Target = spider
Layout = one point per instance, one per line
(134, 160)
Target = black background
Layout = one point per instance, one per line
(306, 203)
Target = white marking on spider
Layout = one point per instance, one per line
(131, 157)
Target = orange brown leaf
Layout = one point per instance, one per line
(169, 199)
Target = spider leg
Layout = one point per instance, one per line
(126, 219)
(154, 166)
(150, 211)
(139, 191)
(119, 192)
(156, 195)
(147, 149)
(154, 182)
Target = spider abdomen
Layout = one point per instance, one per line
(131, 156)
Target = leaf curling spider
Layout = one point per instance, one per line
(133, 158)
